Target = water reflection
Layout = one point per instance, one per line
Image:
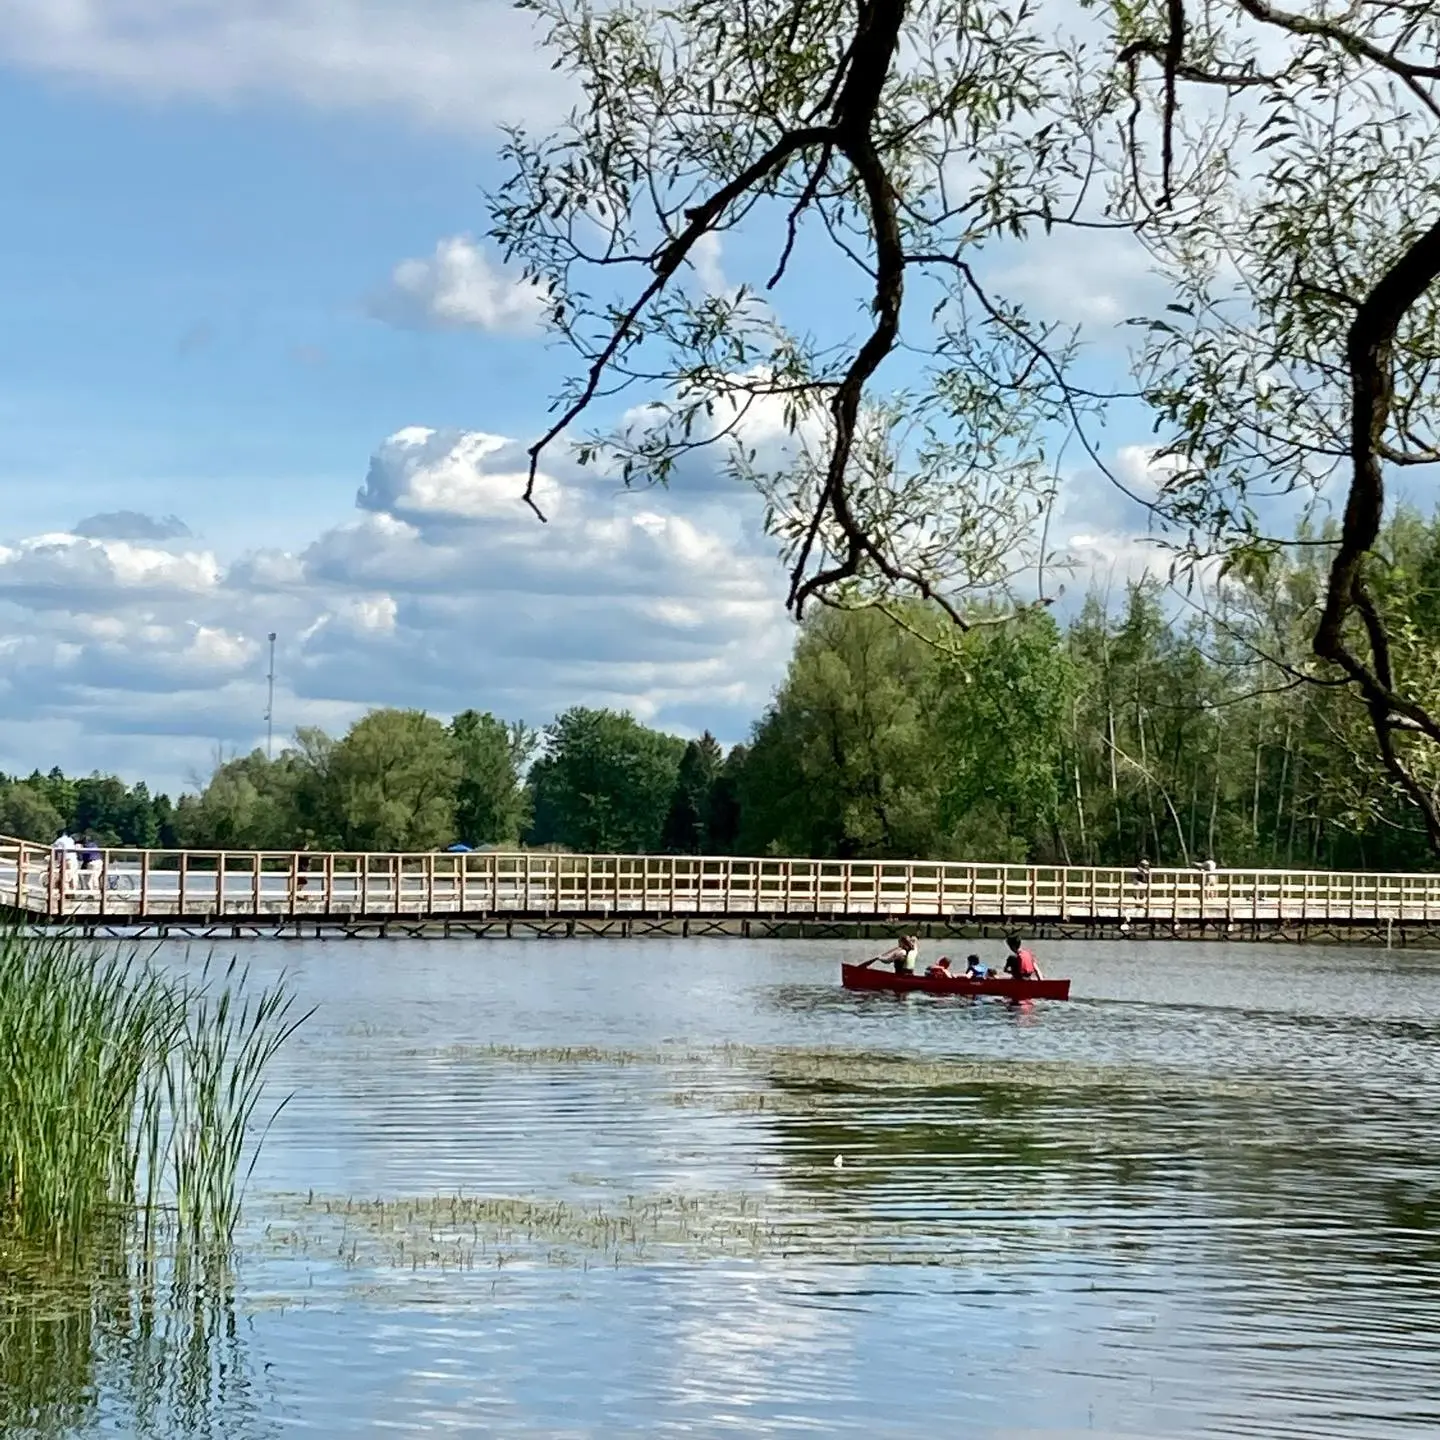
(154, 1350)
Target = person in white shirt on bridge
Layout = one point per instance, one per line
(63, 851)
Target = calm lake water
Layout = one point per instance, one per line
(603, 1188)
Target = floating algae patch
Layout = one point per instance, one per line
(464, 1232)
(459, 1233)
(839, 1068)
(604, 1055)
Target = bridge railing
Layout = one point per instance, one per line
(241, 882)
(25, 876)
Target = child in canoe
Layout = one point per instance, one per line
(974, 970)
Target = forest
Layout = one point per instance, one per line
(1145, 725)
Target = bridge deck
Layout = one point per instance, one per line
(151, 886)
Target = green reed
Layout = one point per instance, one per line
(127, 1094)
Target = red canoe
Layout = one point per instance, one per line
(859, 977)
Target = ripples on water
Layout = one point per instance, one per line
(588, 1188)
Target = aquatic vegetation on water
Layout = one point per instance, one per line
(828, 1067)
(445, 1233)
(127, 1096)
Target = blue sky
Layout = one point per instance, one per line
(209, 201)
(185, 324)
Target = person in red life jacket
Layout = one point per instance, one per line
(940, 970)
(1020, 962)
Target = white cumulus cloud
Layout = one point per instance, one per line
(1144, 469)
(458, 288)
(465, 66)
(441, 590)
(65, 569)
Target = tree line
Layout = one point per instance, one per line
(1134, 730)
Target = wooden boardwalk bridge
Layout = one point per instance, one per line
(233, 893)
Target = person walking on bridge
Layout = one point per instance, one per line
(89, 863)
(62, 864)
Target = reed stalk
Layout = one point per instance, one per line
(128, 1095)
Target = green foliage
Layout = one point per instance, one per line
(248, 804)
(128, 1094)
(998, 726)
(687, 829)
(885, 742)
(41, 806)
(724, 802)
(393, 779)
(841, 764)
(604, 783)
(28, 814)
(492, 806)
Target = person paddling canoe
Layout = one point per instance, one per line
(1020, 962)
(902, 957)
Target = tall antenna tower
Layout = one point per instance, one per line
(270, 703)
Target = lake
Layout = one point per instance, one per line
(665, 1187)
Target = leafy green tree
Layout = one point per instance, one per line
(492, 805)
(114, 813)
(163, 811)
(841, 762)
(998, 725)
(724, 820)
(58, 790)
(304, 776)
(28, 814)
(393, 778)
(604, 783)
(687, 825)
(246, 805)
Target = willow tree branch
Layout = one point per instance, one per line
(1370, 356)
(1410, 73)
(668, 260)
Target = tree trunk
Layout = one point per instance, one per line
(1214, 792)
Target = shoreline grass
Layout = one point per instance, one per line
(127, 1095)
